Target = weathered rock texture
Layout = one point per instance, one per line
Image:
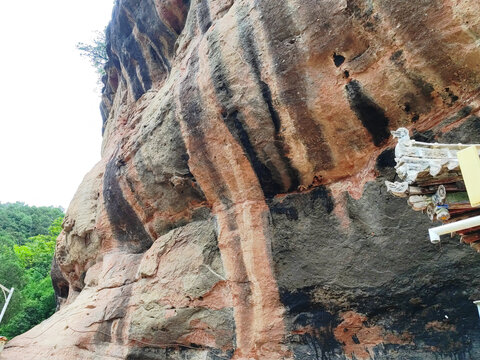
(239, 211)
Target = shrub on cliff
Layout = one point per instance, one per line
(96, 52)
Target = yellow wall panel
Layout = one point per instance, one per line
(470, 166)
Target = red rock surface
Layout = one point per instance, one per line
(359, 340)
(237, 212)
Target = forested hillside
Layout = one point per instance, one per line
(27, 243)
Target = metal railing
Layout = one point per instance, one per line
(8, 295)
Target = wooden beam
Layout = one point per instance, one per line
(469, 239)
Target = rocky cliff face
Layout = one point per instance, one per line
(239, 211)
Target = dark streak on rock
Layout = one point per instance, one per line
(318, 197)
(130, 54)
(468, 132)
(425, 87)
(59, 283)
(370, 114)
(397, 58)
(454, 339)
(313, 322)
(149, 23)
(103, 333)
(192, 113)
(290, 212)
(386, 159)
(416, 101)
(250, 51)
(127, 52)
(127, 227)
(296, 301)
(464, 112)
(425, 136)
(325, 195)
(249, 48)
(203, 16)
(234, 119)
(279, 27)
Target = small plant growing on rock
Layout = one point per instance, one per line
(96, 52)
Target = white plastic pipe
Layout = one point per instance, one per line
(478, 306)
(10, 293)
(452, 227)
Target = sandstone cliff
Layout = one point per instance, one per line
(239, 211)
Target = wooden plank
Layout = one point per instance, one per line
(426, 190)
(468, 239)
(468, 210)
(456, 216)
(469, 230)
(439, 180)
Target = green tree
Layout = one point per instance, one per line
(11, 275)
(18, 221)
(96, 52)
(25, 265)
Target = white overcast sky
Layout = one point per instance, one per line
(50, 123)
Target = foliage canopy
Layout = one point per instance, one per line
(25, 262)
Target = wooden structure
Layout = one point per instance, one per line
(8, 295)
(432, 182)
